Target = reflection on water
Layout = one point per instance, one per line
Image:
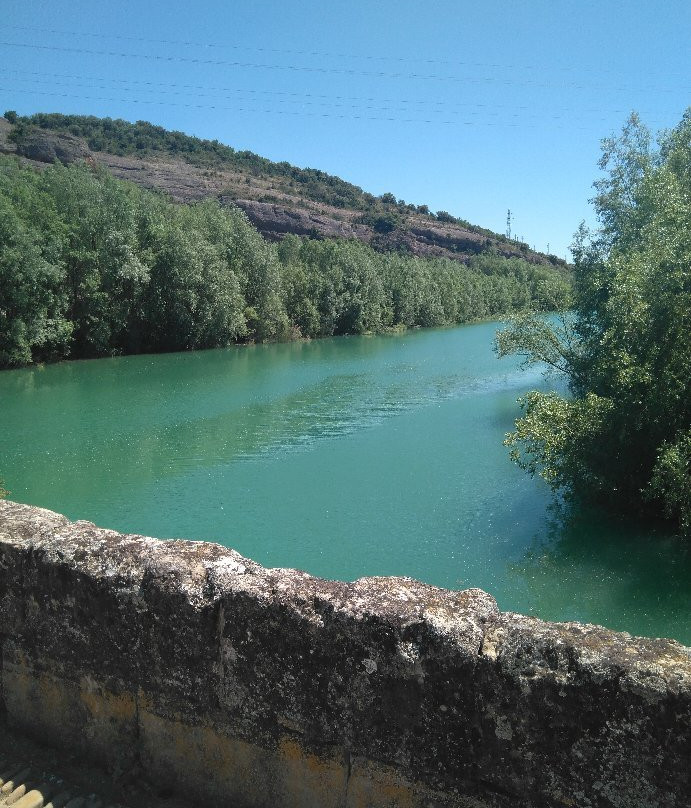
(609, 571)
(345, 457)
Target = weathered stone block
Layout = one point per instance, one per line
(233, 683)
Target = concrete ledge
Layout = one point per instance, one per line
(232, 683)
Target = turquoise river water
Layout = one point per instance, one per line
(344, 457)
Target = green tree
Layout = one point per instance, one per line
(33, 324)
(623, 437)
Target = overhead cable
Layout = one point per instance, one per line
(298, 113)
(580, 68)
(252, 91)
(486, 111)
(297, 68)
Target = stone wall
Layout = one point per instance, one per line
(260, 688)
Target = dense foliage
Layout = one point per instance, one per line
(94, 266)
(624, 437)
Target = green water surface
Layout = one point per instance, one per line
(344, 457)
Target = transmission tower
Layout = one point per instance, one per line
(508, 224)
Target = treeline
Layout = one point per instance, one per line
(141, 139)
(93, 266)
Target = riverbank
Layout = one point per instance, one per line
(391, 331)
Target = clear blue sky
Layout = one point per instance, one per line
(470, 107)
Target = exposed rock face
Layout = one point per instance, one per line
(254, 687)
(47, 147)
(274, 221)
(454, 238)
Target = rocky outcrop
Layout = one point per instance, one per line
(274, 221)
(454, 238)
(256, 687)
(49, 147)
(446, 241)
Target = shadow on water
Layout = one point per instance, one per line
(638, 575)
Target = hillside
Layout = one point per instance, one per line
(278, 198)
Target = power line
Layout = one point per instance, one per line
(446, 105)
(227, 63)
(580, 68)
(263, 92)
(267, 111)
(327, 104)
(297, 100)
(297, 68)
(299, 113)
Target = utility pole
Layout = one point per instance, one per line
(508, 224)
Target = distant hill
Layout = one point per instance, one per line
(278, 198)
